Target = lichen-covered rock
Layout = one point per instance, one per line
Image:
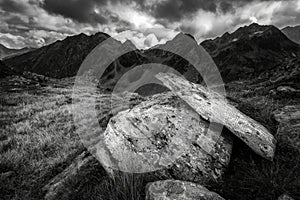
(179, 190)
(164, 133)
(214, 107)
(285, 197)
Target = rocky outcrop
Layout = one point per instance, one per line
(214, 108)
(58, 186)
(179, 190)
(164, 133)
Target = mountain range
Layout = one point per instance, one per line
(253, 51)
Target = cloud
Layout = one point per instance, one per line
(80, 10)
(13, 6)
(207, 24)
(174, 10)
(146, 22)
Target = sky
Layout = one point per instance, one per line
(35, 23)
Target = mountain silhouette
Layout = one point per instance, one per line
(249, 52)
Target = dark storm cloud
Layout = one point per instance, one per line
(226, 6)
(174, 10)
(29, 21)
(13, 6)
(78, 10)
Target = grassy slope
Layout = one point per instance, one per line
(37, 137)
(38, 140)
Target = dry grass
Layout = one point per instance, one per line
(39, 139)
(36, 136)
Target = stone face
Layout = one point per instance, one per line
(179, 190)
(164, 133)
(214, 108)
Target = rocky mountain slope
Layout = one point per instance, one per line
(250, 51)
(7, 52)
(293, 33)
(60, 59)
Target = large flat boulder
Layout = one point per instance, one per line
(164, 133)
(179, 190)
(214, 107)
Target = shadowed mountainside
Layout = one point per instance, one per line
(5, 70)
(250, 51)
(59, 59)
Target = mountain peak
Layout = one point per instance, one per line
(129, 44)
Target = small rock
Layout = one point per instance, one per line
(179, 190)
(285, 89)
(285, 197)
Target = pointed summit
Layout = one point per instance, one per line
(129, 45)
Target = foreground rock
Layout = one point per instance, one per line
(164, 133)
(59, 186)
(214, 107)
(179, 190)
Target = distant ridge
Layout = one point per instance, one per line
(293, 33)
(7, 52)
